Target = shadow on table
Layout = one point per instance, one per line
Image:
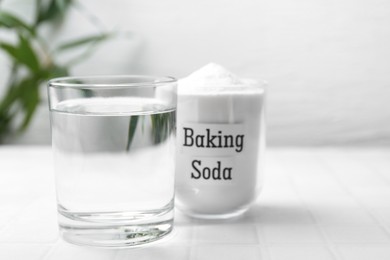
(259, 214)
(276, 214)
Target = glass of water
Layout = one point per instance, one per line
(114, 149)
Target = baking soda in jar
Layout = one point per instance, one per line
(220, 143)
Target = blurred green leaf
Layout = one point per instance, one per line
(27, 54)
(5, 121)
(53, 10)
(62, 5)
(29, 99)
(93, 39)
(9, 107)
(9, 98)
(24, 97)
(11, 50)
(21, 96)
(10, 21)
(57, 71)
(22, 53)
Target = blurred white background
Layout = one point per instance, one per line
(327, 62)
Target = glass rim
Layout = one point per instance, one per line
(102, 81)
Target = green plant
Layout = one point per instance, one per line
(33, 62)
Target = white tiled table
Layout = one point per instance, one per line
(316, 204)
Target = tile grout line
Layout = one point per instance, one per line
(362, 206)
(381, 175)
(51, 249)
(191, 244)
(386, 180)
(17, 214)
(264, 250)
(264, 246)
(329, 244)
(333, 174)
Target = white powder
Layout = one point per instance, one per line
(209, 76)
(220, 135)
(213, 79)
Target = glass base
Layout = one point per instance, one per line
(115, 230)
(116, 237)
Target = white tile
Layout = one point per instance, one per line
(282, 215)
(160, 251)
(232, 233)
(314, 177)
(279, 195)
(317, 182)
(226, 252)
(372, 197)
(352, 173)
(383, 214)
(329, 200)
(291, 234)
(357, 234)
(180, 235)
(382, 167)
(36, 224)
(8, 212)
(321, 191)
(66, 251)
(365, 252)
(23, 251)
(342, 216)
(300, 253)
(16, 187)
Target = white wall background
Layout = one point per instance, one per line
(327, 61)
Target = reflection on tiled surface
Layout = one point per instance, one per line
(20, 251)
(227, 233)
(279, 215)
(345, 216)
(292, 234)
(226, 252)
(361, 234)
(300, 252)
(160, 251)
(39, 219)
(365, 252)
(65, 251)
(316, 204)
(383, 214)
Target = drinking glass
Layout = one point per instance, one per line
(113, 139)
